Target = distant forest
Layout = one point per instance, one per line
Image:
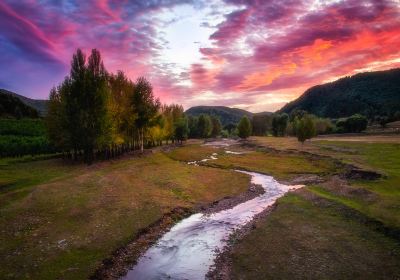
(371, 94)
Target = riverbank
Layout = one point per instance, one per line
(341, 228)
(62, 221)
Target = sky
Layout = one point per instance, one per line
(255, 55)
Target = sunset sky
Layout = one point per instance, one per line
(256, 55)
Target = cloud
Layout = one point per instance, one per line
(258, 54)
(270, 46)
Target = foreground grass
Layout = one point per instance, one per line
(324, 232)
(309, 238)
(61, 221)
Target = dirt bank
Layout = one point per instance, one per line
(125, 257)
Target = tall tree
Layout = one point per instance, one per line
(181, 129)
(95, 122)
(204, 126)
(74, 100)
(279, 124)
(55, 118)
(122, 114)
(244, 127)
(193, 127)
(146, 106)
(216, 126)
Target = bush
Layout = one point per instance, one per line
(305, 128)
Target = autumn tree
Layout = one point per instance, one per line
(146, 107)
(122, 114)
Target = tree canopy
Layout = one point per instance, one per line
(244, 127)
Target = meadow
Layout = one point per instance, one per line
(342, 229)
(61, 219)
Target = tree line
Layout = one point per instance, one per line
(97, 114)
(304, 125)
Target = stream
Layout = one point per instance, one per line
(188, 249)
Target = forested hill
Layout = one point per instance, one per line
(370, 94)
(38, 104)
(226, 114)
(13, 107)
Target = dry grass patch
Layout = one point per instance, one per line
(64, 228)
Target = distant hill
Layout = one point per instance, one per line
(370, 94)
(38, 104)
(226, 114)
(12, 107)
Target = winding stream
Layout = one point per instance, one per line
(188, 250)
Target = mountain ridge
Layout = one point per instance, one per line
(226, 114)
(368, 93)
(39, 105)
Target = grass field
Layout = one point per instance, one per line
(60, 221)
(330, 231)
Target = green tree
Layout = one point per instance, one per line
(146, 106)
(230, 127)
(355, 123)
(261, 124)
(279, 124)
(95, 122)
(216, 126)
(181, 129)
(204, 126)
(244, 127)
(193, 127)
(74, 90)
(305, 128)
(55, 120)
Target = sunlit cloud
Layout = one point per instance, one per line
(255, 55)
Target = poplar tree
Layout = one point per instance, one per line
(146, 106)
(244, 127)
(204, 126)
(216, 126)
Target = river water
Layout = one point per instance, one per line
(188, 250)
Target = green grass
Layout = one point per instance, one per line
(329, 232)
(281, 166)
(192, 152)
(95, 209)
(307, 237)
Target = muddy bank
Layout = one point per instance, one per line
(125, 257)
(229, 202)
(221, 269)
(188, 250)
(337, 182)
